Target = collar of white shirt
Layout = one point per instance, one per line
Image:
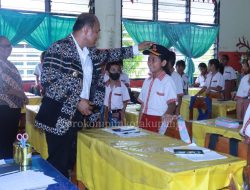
(82, 52)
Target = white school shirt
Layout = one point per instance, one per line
(244, 87)
(123, 77)
(156, 94)
(245, 130)
(87, 68)
(178, 82)
(200, 80)
(185, 81)
(116, 96)
(214, 81)
(229, 73)
(38, 70)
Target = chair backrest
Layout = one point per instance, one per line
(173, 130)
(225, 145)
(233, 147)
(200, 103)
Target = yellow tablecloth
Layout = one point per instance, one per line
(201, 128)
(37, 137)
(219, 108)
(132, 114)
(193, 91)
(33, 100)
(107, 162)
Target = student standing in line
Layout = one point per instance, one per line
(158, 95)
(229, 76)
(177, 81)
(214, 84)
(116, 96)
(180, 67)
(200, 80)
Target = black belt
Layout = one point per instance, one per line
(115, 111)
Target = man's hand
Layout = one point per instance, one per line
(145, 45)
(84, 107)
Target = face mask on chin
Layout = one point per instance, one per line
(114, 76)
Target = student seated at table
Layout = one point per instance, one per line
(177, 81)
(200, 80)
(158, 94)
(243, 93)
(214, 83)
(180, 67)
(229, 76)
(245, 130)
(116, 96)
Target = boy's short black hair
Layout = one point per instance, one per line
(181, 63)
(225, 56)
(109, 64)
(202, 65)
(215, 62)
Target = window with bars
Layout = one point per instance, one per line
(71, 7)
(140, 9)
(174, 11)
(23, 55)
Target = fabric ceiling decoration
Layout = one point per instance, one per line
(191, 40)
(149, 31)
(51, 29)
(40, 30)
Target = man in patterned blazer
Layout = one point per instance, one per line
(70, 66)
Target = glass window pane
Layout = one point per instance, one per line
(25, 64)
(202, 12)
(172, 10)
(70, 7)
(28, 5)
(141, 9)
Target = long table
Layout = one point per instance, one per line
(37, 137)
(41, 165)
(106, 161)
(33, 100)
(219, 108)
(201, 128)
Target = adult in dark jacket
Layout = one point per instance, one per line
(70, 66)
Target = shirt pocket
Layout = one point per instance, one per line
(160, 93)
(117, 94)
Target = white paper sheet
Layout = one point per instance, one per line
(2, 162)
(26, 180)
(125, 131)
(207, 156)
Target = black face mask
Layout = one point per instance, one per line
(114, 76)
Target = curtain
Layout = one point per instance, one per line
(40, 30)
(16, 26)
(149, 31)
(50, 30)
(191, 40)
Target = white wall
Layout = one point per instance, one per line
(234, 23)
(108, 13)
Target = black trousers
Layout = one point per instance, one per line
(9, 120)
(62, 151)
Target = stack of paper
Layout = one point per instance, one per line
(207, 156)
(226, 122)
(125, 131)
(26, 180)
